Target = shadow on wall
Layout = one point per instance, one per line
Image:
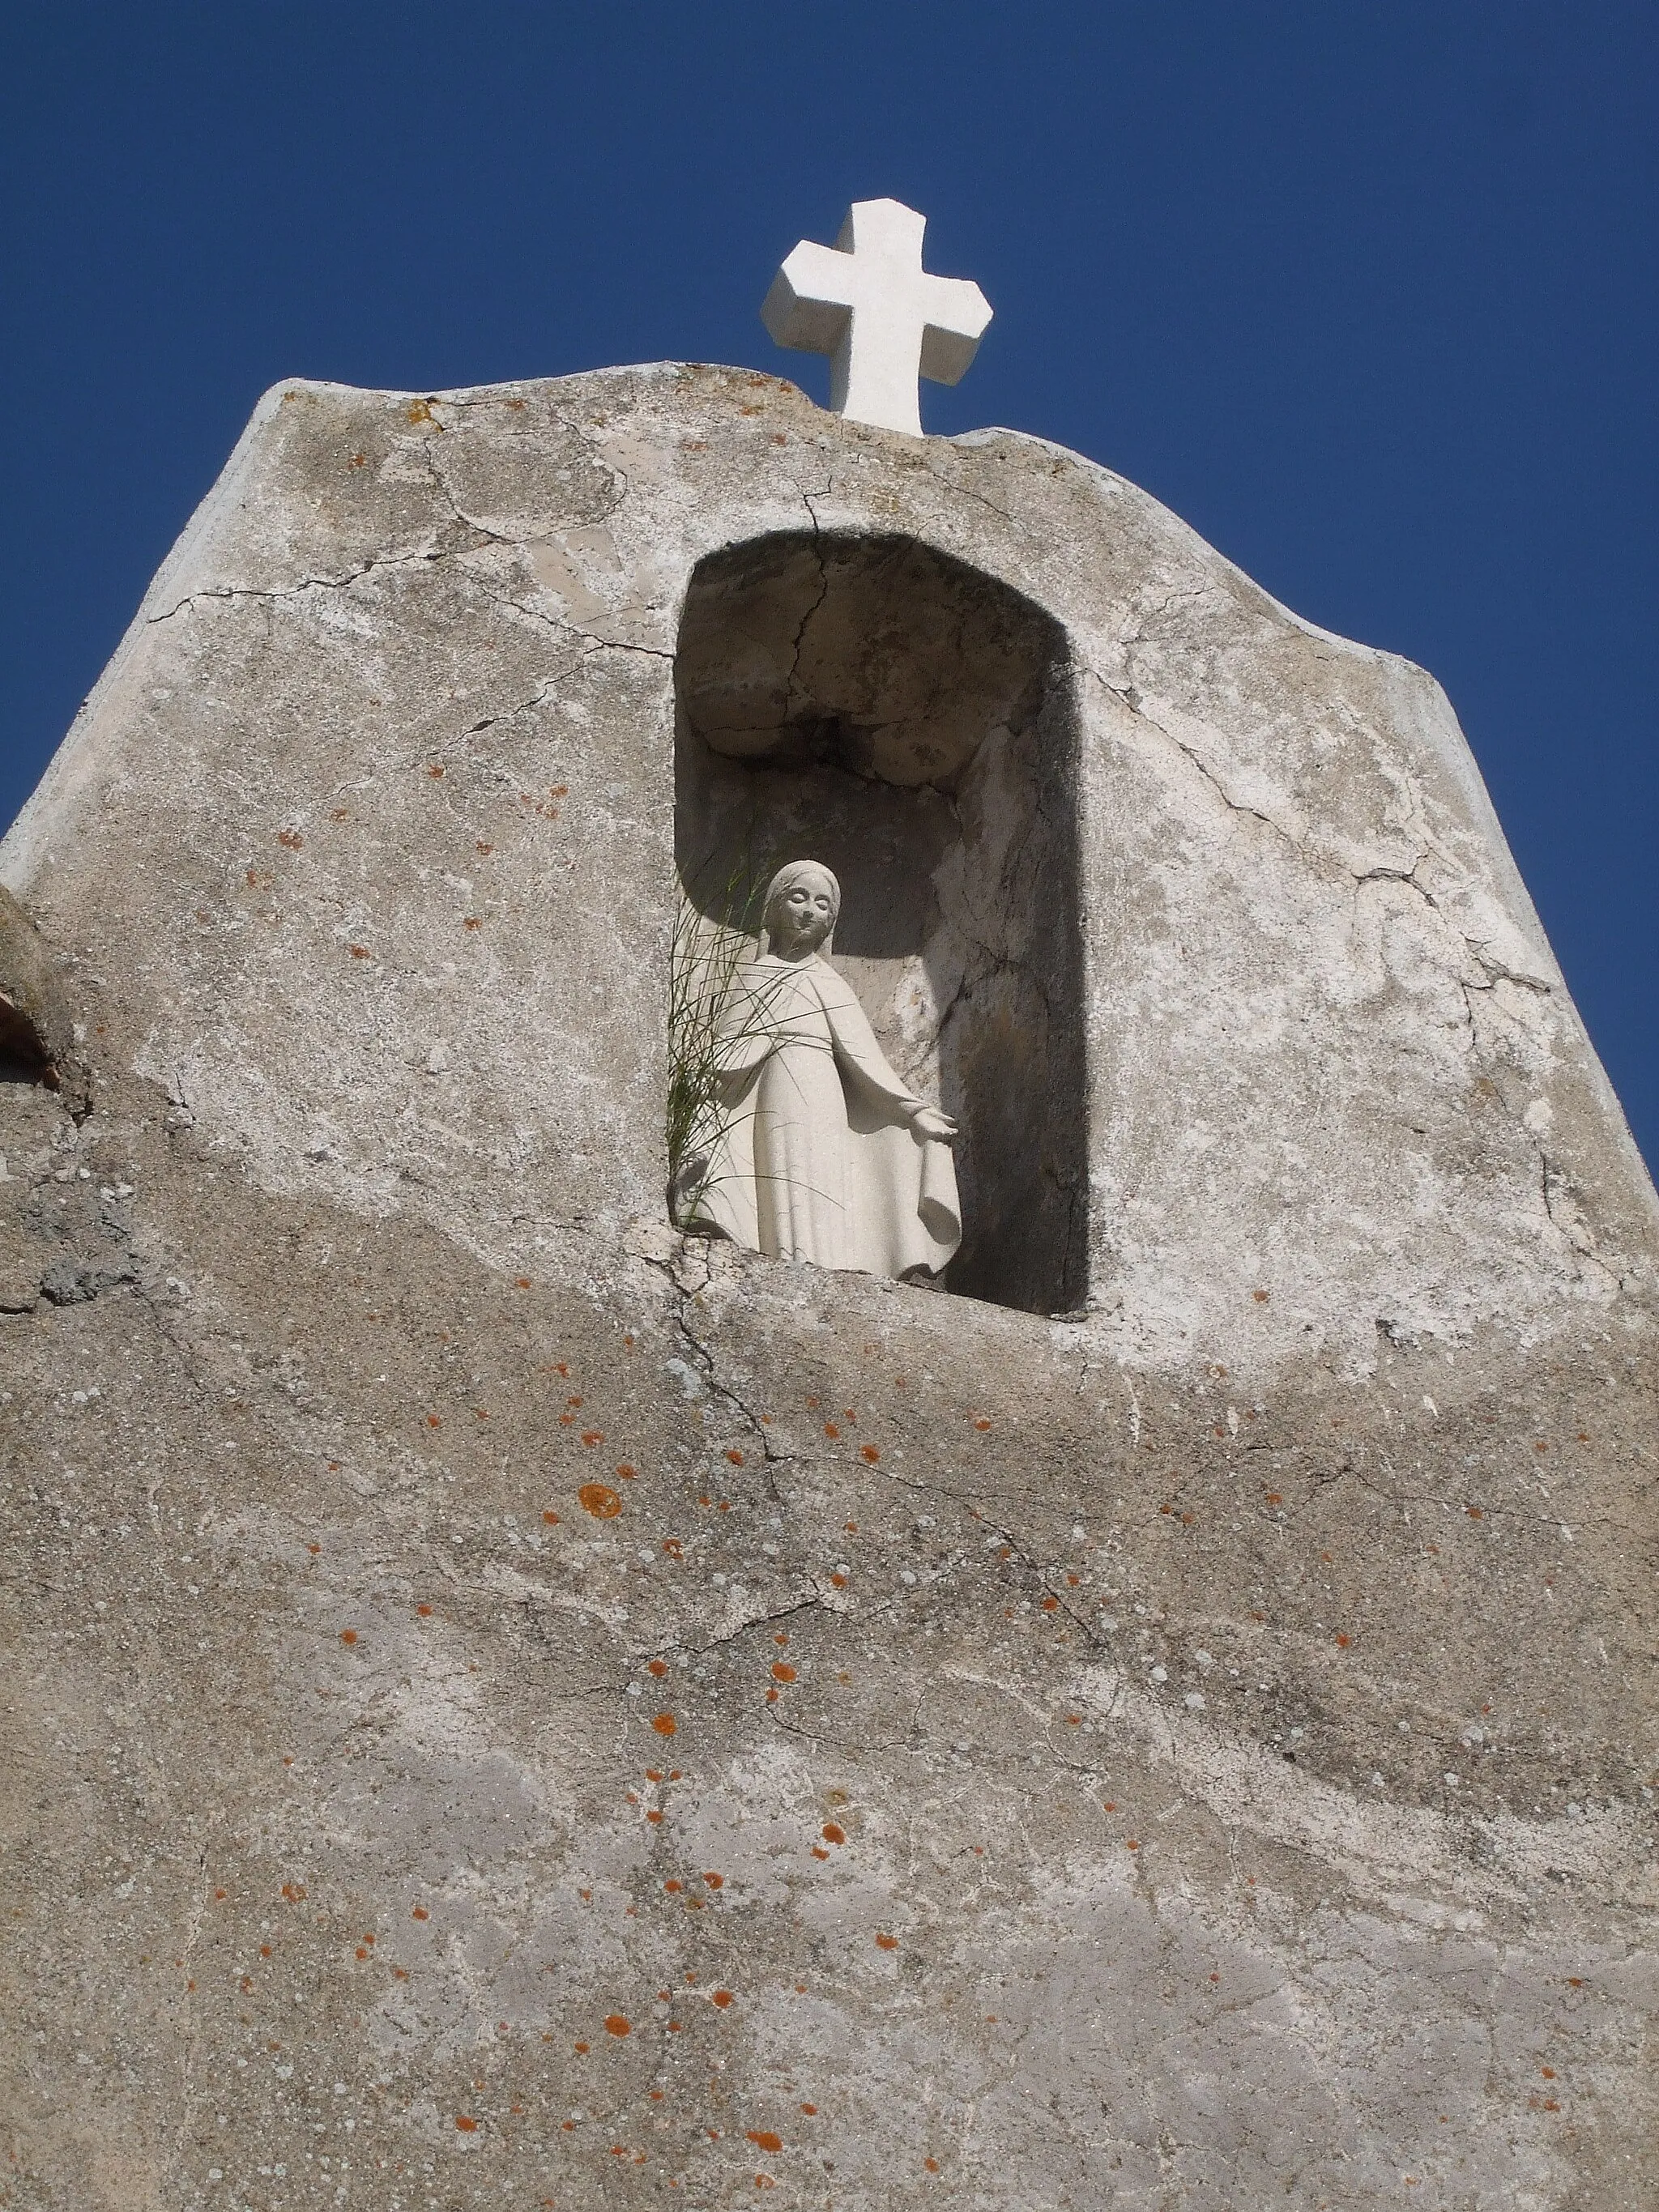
(883, 707)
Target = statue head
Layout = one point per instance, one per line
(802, 902)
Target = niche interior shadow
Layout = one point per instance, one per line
(879, 706)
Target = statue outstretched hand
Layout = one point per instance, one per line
(929, 1122)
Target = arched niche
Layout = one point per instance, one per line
(882, 707)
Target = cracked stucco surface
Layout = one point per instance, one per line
(1201, 1752)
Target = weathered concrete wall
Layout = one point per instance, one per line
(1201, 1752)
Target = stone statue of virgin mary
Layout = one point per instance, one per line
(815, 1148)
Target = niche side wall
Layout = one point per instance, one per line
(875, 704)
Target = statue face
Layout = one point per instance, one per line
(799, 921)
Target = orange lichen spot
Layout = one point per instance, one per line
(1130, 1845)
(981, 1423)
(626, 1472)
(852, 1527)
(811, 2110)
(830, 1429)
(1073, 1720)
(781, 1637)
(1343, 1641)
(264, 1951)
(465, 2122)
(673, 1547)
(617, 2023)
(811, 1403)
(869, 1452)
(1050, 1604)
(1541, 1445)
(581, 2050)
(592, 1437)
(521, 1282)
(362, 952)
(653, 1817)
(1475, 1512)
(473, 922)
(420, 1912)
(725, 1505)
(819, 1851)
(782, 1671)
(221, 1894)
(1574, 1981)
(734, 1455)
(1187, 1519)
(293, 1891)
(833, 1832)
(600, 1500)
(313, 1549)
(887, 1943)
(291, 838)
(1072, 1581)
(361, 1953)
(764, 2181)
(771, 1697)
(1548, 2073)
(1260, 1296)
(358, 461)
(659, 1668)
(722, 1998)
(673, 1887)
(1109, 1805)
(435, 770)
(550, 1518)
(434, 1421)
(766, 2140)
(715, 1881)
(838, 1582)
(481, 849)
(665, 1724)
(347, 1636)
(932, 2165)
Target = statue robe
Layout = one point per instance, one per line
(811, 1154)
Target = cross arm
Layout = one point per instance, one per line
(956, 315)
(811, 299)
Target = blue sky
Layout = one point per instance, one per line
(1366, 292)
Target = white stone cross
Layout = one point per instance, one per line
(867, 302)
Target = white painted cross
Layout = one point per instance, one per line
(867, 302)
